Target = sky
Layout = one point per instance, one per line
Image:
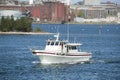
(74, 1)
(115, 1)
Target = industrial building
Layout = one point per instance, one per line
(17, 13)
(49, 11)
(96, 9)
(41, 10)
(57, 11)
(9, 2)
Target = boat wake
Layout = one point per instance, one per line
(107, 61)
(69, 63)
(36, 62)
(112, 61)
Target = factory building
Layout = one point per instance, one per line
(42, 10)
(8, 13)
(9, 2)
(92, 11)
(49, 11)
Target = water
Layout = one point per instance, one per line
(17, 62)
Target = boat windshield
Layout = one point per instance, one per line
(48, 43)
(72, 47)
(56, 43)
(52, 43)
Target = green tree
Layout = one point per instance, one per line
(1, 23)
(12, 25)
(37, 29)
(5, 24)
(23, 25)
(9, 24)
(81, 14)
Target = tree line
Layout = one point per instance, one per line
(8, 24)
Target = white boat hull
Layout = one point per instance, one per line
(56, 58)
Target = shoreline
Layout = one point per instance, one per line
(87, 23)
(26, 33)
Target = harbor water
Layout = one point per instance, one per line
(18, 63)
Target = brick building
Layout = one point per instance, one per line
(45, 12)
(49, 11)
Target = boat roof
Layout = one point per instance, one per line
(50, 40)
(64, 41)
(74, 44)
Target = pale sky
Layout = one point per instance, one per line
(74, 1)
(115, 1)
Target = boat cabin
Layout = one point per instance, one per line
(72, 47)
(61, 46)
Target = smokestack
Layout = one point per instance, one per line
(68, 2)
(30, 2)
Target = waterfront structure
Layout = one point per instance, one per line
(17, 11)
(68, 2)
(49, 11)
(53, 11)
(118, 18)
(57, 11)
(8, 13)
(9, 2)
(31, 2)
(103, 12)
(91, 2)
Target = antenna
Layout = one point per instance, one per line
(68, 28)
(68, 17)
(57, 36)
(68, 31)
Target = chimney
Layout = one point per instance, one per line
(68, 2)
(30, 2)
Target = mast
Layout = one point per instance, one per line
(68, 28)
(68, 16)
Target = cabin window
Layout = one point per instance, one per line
(72, 47)
(60, 43)
(69, 47)
(48, 43)
(56, 43)
(52, 43)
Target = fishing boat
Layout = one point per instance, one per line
(61, 51)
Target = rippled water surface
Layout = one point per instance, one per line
(18, 63)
